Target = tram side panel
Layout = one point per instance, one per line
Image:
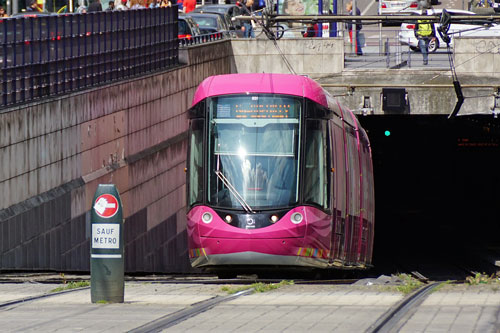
(352, 195)
(338, 192)
(364, 213)
(370, 206)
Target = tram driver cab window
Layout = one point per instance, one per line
(315, 182)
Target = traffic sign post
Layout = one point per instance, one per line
(106, 246)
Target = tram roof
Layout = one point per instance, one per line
(264, 83)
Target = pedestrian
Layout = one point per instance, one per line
(2, 12)
(122, 5)
(154, 4)
(424, 31)
(189, 5)
(33, 7)
(95, 6)
(111, 6)
(247, 25)
(359, 26)
(136, 4)
(165, 3)
(311, 30)
(82, 7)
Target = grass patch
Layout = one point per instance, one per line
(259, 287)
(409, 285)
(234, 290)
(72, 285)
(263, 287)
(441, 286)
(102, 302)
(479, 278)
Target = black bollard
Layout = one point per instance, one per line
(106, 246)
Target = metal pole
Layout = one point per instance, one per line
(380, 44)
(354, 32)
(333, 28)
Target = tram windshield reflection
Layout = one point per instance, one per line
(253, 143)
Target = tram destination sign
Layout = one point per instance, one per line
(257, 107)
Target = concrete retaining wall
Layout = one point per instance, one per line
(133, 134)
(316, 57)
(477, 56)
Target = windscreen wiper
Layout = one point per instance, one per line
(234, 192)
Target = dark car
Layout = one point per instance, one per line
(188, 28)
(209, 23)
(228, 11)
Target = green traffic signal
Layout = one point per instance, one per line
(387, 133)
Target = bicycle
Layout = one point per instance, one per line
(264, 25)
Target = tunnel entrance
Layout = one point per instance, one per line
(437, 191)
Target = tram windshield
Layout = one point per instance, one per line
(253, 151)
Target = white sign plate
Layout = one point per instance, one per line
(105, 236)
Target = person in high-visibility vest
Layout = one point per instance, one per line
(424, 31)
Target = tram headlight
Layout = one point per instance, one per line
(206, 217)
(228, 218)
(274, 219)
(296, 218)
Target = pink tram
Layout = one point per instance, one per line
(279, 176)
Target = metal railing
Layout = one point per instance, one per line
(383, 49)
(200, 39)
(54, 54)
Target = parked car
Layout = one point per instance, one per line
(396, 6)
(187, 28)
(209, 23)
(471, 28)
(228, 11)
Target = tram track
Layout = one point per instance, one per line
(183, 279)
(390, 320)
(173, 319)
(7, 304)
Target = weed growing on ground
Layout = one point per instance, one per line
(234, 290)
(258, 287)
(72, 285)
(102, 302)
(263, 287)
(441, 286)
(479, 278)
(409, 284)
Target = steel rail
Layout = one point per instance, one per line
(44, 279)
(173, 319)
(393, 316)
(37, 297)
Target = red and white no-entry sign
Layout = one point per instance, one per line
(106, 206)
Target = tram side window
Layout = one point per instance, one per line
(316, 181)
(196, 162)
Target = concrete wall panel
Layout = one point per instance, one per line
(139, 117)
(477, 55)
(78, 202)
(70, 137)
(103, 130)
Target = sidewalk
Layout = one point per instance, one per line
(292, 308)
